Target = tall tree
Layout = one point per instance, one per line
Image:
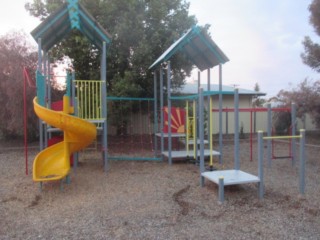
(15, 53)
(307, 98)
(141, 31)
(311, 55)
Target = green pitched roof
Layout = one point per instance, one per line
(69, 16)
(198, 46)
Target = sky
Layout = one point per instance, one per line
(262, 39)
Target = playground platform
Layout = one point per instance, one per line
(184, 154)
(230, 177)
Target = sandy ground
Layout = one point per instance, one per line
(152, 200)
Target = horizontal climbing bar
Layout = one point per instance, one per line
(282, 137)
(253, 110)
(205, 94)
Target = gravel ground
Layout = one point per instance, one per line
(152, 200)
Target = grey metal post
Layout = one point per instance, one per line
(302, 182)
(269, 129)
(41, 145)
(236, 130)
(39, 55)
(197, 121)
(155, 114)
(293, 133)
(161, 111)
(47, 96)
(221, 189)
(169, 112)
(260, 164)
(104, 106)
(220, 115)
(74, 103)
(201, 135)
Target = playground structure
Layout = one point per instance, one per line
(205, 54)
(269, 128)
(88, 101)
(83, 98)
(236, 176)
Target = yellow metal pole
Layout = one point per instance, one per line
(187, 126)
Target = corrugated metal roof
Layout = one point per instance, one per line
(70, 16)
(192, 88)
(198, 46)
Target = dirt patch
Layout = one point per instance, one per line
(178, 197)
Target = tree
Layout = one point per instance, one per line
(257, 101)
(307, 99)
(15, 53)
(311, 55)
(141, 30)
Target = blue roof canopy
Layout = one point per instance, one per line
(69, 16)
(198, 46)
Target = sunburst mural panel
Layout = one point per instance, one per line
(178, 116)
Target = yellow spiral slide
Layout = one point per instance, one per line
(53, 163)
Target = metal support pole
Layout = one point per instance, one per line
(302, 182)
(269, 130)
(169, 112)
(201, 134)
(209, 111)
(161, 111)
(236, 130)
(293, 133)
(40, 71)
(220, 115)
(104, 106)
(221, 189)
(47, 96)
(260, 164)
(155, 114)
(39, 55)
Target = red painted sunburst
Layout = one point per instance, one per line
(178, 116)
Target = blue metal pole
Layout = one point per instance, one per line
(221, 189)
(169, 112)
(201, 135)
(155, 114)
(302, 182)
(260, 164)
(269, 128)
(75, 105)
(104, 106)
(236, 130)
(39, 55)
(40, 71)
(161, 110)
(293, 133)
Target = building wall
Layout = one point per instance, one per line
(143, 123)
